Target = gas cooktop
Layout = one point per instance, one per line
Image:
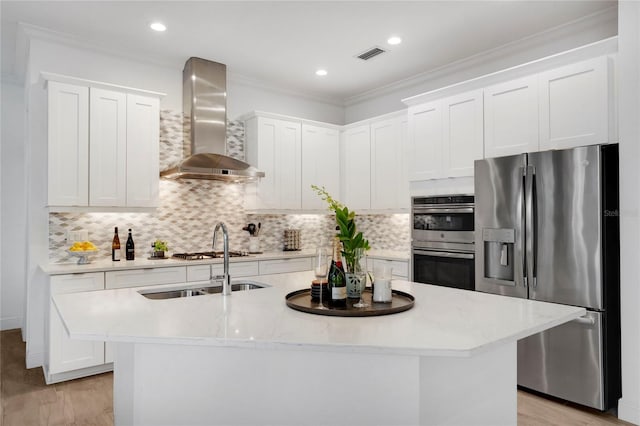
(208, 255)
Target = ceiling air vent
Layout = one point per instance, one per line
(365, 56)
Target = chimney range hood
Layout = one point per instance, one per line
(204, 100)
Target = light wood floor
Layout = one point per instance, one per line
(27, 401)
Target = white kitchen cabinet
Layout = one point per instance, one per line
(389, 180)
(425, 141)
(67, 354)
(399, 268)
(355, 168)
(68, 144)
(237, 269)
(107, 148)
(274, 146)
(280, 266)
(143, 144)
(320, 164)
(446, 136)
(145, 277)
(103, 143)
(198, 272)
(462, 136)
(574, 105)
(511, 117)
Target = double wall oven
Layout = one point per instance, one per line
(442, 246)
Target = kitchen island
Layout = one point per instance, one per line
(249, 359)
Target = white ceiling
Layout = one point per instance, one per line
(281, 44)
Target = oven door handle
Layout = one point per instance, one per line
(443, 210)
(445, 254)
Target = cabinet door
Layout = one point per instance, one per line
(425, 141)
(386, 152)
(288, 172)
(320, 164)
(144, 277)
(262, 134)
(355, 166)
(67, 354)
(463, 133)
(107, 148)
(574, 105)
(143, 132)
(511, 117)
(68, 144)
(404, 195)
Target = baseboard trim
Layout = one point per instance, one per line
(629, 411)
(10, 323)
(75, 374)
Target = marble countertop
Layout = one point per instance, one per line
(443, 322)
(105, 264)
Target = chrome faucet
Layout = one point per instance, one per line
(226, 280)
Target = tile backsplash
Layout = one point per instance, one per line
(189, 210)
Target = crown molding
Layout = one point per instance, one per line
(601, 18)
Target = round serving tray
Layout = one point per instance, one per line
(300, 300)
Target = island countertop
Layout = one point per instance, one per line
(444, 321)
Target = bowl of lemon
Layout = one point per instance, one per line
(82, 250)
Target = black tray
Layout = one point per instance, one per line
(300, 300)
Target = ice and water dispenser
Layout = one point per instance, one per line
(499, 254)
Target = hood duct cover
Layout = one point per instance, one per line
(204, 97)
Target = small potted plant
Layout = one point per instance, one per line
(353, 242)
(159, 247)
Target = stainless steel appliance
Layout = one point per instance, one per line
(208, 255)
(547, 229)
(442, 236)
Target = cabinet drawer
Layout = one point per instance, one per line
(144, 277)
(285, 265)
(239, 269)
(198, 272)
(75, 283)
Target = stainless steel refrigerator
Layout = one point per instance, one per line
(547, 228)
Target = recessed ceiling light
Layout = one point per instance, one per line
(394, 40)
(158, 26)
(321, 72)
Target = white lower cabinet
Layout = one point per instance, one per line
(67, 354)
(198, 272)
(281, 266)
(145, 277)
(237, 269)
(400, 268)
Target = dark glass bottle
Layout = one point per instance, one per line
(131, 253)
(337, 282)
(115, 247)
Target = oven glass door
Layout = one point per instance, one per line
(443, 220)
(448, 269)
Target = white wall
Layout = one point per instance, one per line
(558, 40)
(629, 130)
(13, 225)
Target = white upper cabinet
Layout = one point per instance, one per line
(68, 144)
(462, 133)
(274, 147)
(107, 148)
(425, 141)
(320, 164)
(445, 137)
(355, 167)
(574, 105)
(143, 135)
(511, 117)
(389, 180)
(103, 144)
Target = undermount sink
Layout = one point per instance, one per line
(198, 291)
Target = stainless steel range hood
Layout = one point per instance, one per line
(204, 97)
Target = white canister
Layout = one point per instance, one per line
(382, 284)
(254, 244)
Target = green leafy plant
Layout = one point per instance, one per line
(159, 245)
(351, 239)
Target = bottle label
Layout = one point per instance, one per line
(338, 293)
(115, 254)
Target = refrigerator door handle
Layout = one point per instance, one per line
(586, 320)
(523, 221)
(530, 195)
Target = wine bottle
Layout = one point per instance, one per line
(336, 280)
(131, 254)
(115, 247)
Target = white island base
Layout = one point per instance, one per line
(165, 384)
